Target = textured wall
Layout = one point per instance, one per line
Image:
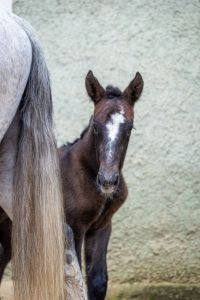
(156, 233)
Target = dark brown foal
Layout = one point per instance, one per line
(93, 185)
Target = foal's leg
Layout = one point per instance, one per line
(96, 243)
(5, 245)
(78, 240)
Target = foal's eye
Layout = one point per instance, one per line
(129, 130)
(129, 133)
(95, 129)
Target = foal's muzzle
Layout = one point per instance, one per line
(108, 181)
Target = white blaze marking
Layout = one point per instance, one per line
(113, 130)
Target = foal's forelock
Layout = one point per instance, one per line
(113, 128)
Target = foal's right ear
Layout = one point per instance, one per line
(134, 90)
(93, 87)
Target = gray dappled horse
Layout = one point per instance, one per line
(29, 174)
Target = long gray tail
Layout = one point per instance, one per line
(37, 237)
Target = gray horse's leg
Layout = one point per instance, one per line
(5, 244)
(15, 63)
(75, 287)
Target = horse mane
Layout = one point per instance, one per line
(70, 144)
(113, 92)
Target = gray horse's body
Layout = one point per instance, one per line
(30, 191)
(15, 63)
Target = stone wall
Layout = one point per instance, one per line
(156, 233)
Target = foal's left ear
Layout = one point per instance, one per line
(93, 87)
(134, 90)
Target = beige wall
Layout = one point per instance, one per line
(156, 233)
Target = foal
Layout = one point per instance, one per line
(93, 185)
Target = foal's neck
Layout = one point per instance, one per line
(87, 151)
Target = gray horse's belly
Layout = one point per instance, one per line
(15, 63)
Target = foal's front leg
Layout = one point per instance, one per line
(78, 239)
(96, 243)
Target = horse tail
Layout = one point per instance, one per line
(37, 235)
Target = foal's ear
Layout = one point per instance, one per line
(93, 87)
(134, 89)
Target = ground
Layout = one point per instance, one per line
(162, 291)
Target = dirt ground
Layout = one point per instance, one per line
(163, 291)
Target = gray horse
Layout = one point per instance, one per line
(30, 191)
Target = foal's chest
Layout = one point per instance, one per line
(106, 211)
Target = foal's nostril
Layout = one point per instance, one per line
(116, 179)
(100, 179)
